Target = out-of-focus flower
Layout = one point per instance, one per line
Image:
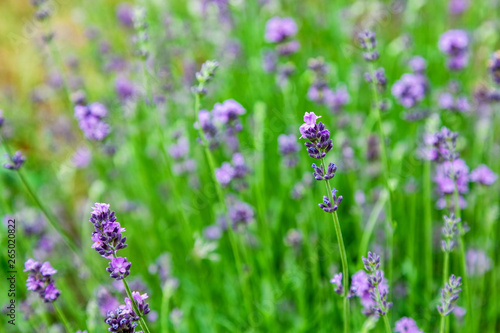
(81, 158)
(90, 119)
(457, 7)
(16, 161)
(478, 262)
(407, 325)
(409, 90)
(40, 280)
(449, 295)
(454, 44)
(337, 280)
(483, 175)
(279, 29)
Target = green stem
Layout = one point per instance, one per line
(372, 221)
(462, 252)
(427, 229)
(343, 255)
(63, 318)
(247, 292)
(386, 319)
(385, 169)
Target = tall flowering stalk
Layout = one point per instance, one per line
(449, 296)
(455, 170)
(108, 239)
(378, 83)
(377, 294)
(318, 146)
(204, 76)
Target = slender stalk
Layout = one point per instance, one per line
(343, 255)
(427, 229)
(63, 318)
(247, 292)
(385, 169)
(462, 252)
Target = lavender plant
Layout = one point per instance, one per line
(318, 146)
(108, 239)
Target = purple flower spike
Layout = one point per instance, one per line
(40, 280)
(483, 175)
(409, 90)
(377, 291)
(121, 320)
(454, 44)
(107, 235)
(90, 121)
(240, 213)
(224, 174)
(494, 66)
(337, 280)
(279, 29)
(328, 206)
(449, 295)
(320, 175)
(288, 148)
(17, 161)
(407, 325)
(119, 268)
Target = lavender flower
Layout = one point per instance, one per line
(320, 175)
(483, 175)
(119, 268)
(105, 301)
(407, 325)
(360, 287)
(293, 238)
(139, 301)
(240, 213)
(40, 280)
(409, 90)
(336, 99)
(81, 158)
(227, 112)
(288, 48)
(327, 205)
(417, 64)
(451, 173)
(337, 280)
(454, 44)
(368, 42)
(375, 278)
(447, 101)
(122, 319)
(478, 262)
(125, 14)
(444, 142)
(279, 29)
(457, 7)
(494, 66)
(288, 147)
(17, 161)
(107, 235)
(319, 137)
(224, 174)
(125, 89)
(449, 231)
(449, 295)
(90, 121)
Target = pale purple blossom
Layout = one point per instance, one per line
(483, 175)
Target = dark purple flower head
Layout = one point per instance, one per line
(444, 143)
(377, 293)
(494, 66)
(454, 44)
(451, 173)
(107, 235)
(483, 175)
(449, 295)
(407, 325)
(227, 111)
(119, 268)
(90, 121)
(122, 319)
(279, 29)
(327, 205)
(337, 280)
(17, 161)
(240, 213)
(125, 88)
(329, 173)
(409, 90)
(367, 40)
(288, 48)
(40, 280)
(319, 138)
(457, 7)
